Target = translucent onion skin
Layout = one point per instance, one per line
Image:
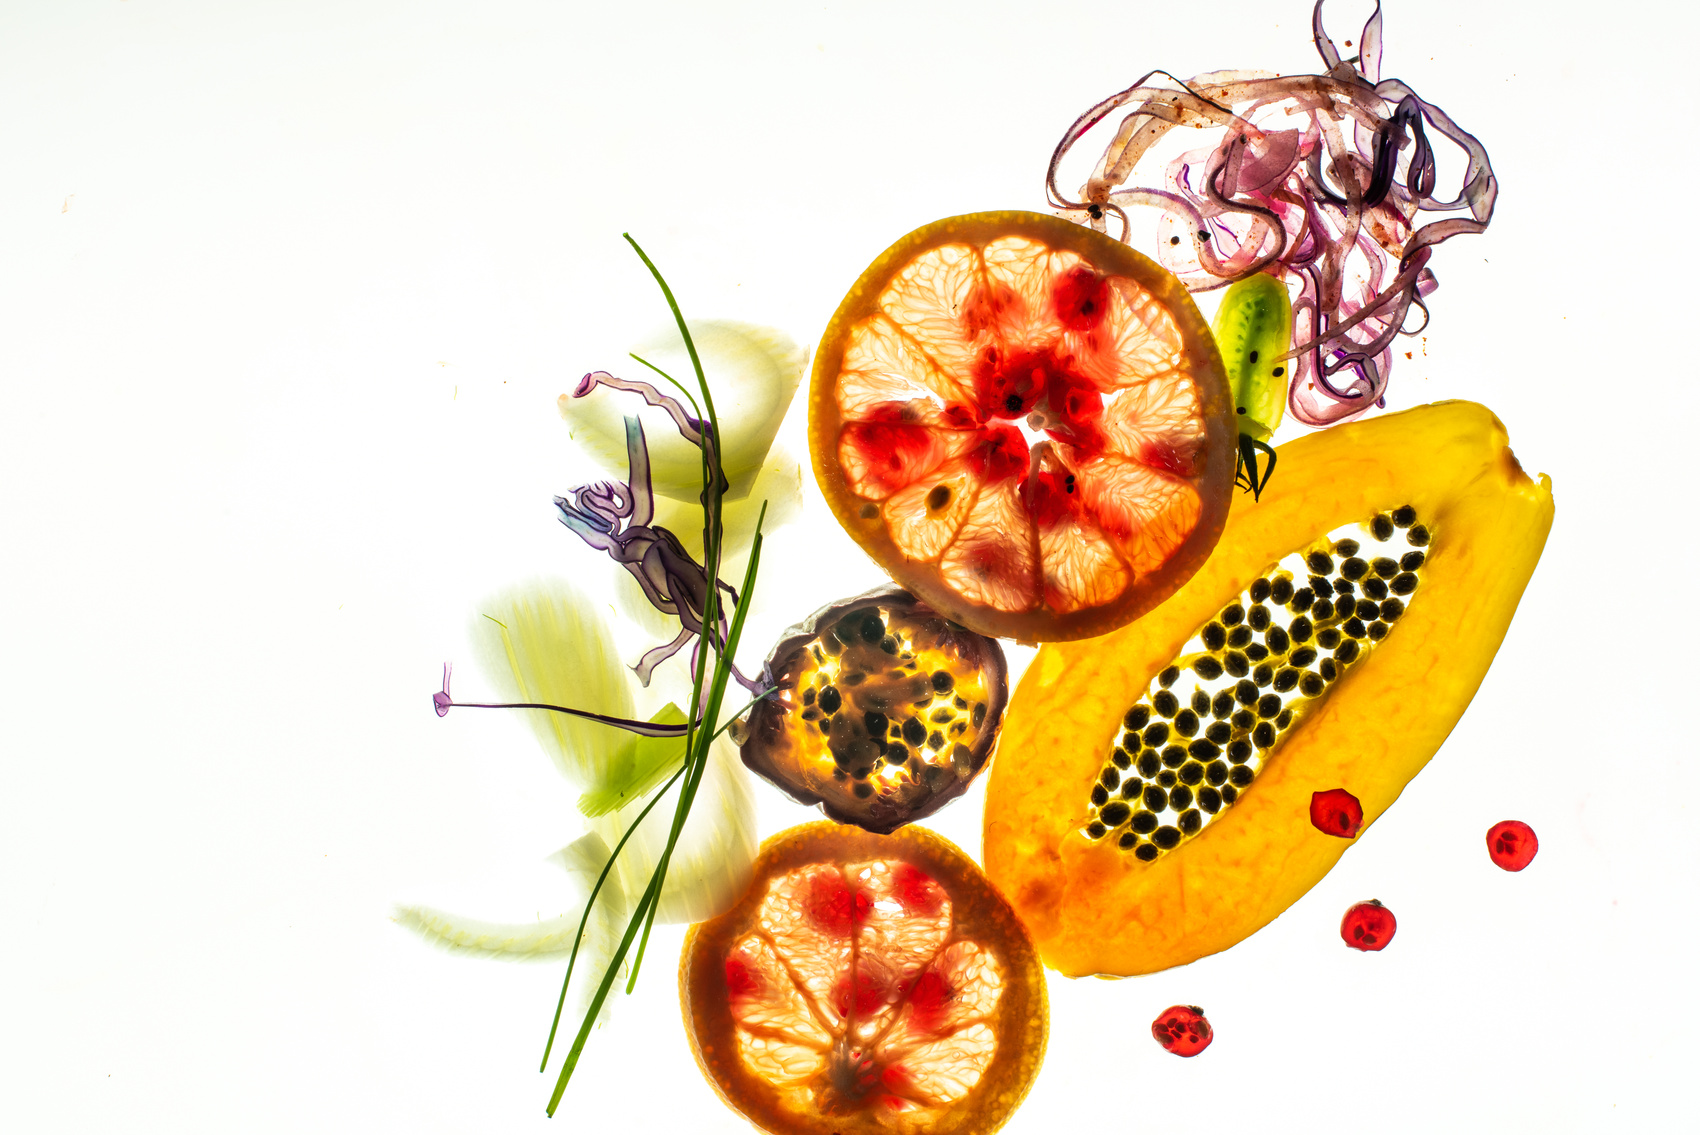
(882, 710)
(1319, 178)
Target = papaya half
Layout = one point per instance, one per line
(1150, 801)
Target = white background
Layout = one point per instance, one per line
(287, 291)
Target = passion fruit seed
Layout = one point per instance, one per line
(1262, 705)
(1512, 844)
(1182, 1030)
(1368, 926)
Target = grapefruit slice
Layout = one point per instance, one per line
(1026, 423)
(866, 983)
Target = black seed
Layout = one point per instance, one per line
(1127, 840)
(1377, 631)
(1229, 794)
(1235, 663)
(1404, 516)
(897, 754)
(1210, 800)
(1322, 588)
(1191, 773)
(863, 789)
(1240, 751)
(1191, 821)
(811, 714)
(1268, 705)
(1417, 537)
(888, 644)
(1302, 657)
(1353, 568)
(1375, 589)
(1328, 639)
(1094, 830)
(873, 627)
(1200, 702)
(1201, 749)
(1165, 703)
(935, 740)
(1156, 733)
(1099, 795)
(1245, 692)
(1302, 599)
(1286, 679)
(1244, 719)
(1301, 629)
(830, 700)
(1167, 778)
(1281, 591)
(1110, 779)
(1222, 704)
(1283, 719)
(1168, 676)
(1329, 670)
(1136, 718)
(1347, 547)
(1411, 561)
(875, 723)
(826, 725)
(1145, 852)
(1173, 756)
(1259, 589)
(1344, 587)
(1365, 610)
(1277, 640)
(1257, 652)
(1231, 615)
(1216, 772)
(941, 715)
(1219, 732)
(958, 702)
(1263, 675)
(1166, 837)
(1404, 584)
(1186, 723)
(1155, 799)
(1240, 776)
(1264, 735)
(1321, 563)
(1311, 685)
(1382, 527)
(1258, 618)
(1132, 788)
(1180, 798)
(1144, 822)
(1114, 815)
(1215, 636)
(943, 682)
(1345, 652)
(1238, 637)
(979, 715)
(1392, 609)
(809, 696)
(1322, 609)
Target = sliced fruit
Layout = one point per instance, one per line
(1026, 423)
(1152, 800)
(866, 983)
(883, 710)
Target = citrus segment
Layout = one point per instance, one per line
(866, 983)
(1026, 423)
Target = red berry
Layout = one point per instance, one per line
(1512, 844)
(1182, 1030)
(1336, 812)
(1368, 926)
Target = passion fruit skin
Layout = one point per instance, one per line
(979, 913)
(1201, 360)
(786, 747)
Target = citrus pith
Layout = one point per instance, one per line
(1026, 423)
(866, 983)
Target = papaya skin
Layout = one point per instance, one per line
(1094, 909)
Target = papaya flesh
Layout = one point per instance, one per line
(1386, 684)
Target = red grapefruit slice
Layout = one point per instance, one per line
(1026, 423)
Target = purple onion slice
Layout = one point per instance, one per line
(883, 710)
